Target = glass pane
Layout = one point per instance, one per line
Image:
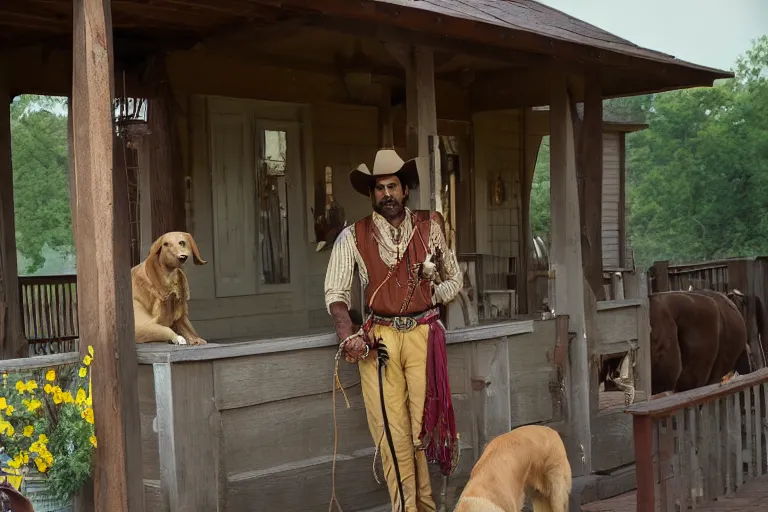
(273, 209)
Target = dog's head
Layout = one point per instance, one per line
(170, 252)
(173, 249)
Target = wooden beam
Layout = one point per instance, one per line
(103, 255)
(166, 168)
(525, 234)
(12, 341)
(591, 149)
(421, 123)
(565, 259)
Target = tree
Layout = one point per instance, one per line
(40, 176)
(698, 177)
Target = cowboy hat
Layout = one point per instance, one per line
(386, 163)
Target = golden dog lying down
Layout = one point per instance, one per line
(161, 292)
(529, 459)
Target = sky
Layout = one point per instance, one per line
(708, 32)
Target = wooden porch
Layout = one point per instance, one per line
(222, 78)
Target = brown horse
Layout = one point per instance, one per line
(697, 337)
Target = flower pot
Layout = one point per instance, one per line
(35, 489)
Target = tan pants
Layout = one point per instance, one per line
(405, 380)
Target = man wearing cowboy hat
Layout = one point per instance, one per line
(406, 270)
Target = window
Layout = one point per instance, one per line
(272, 188)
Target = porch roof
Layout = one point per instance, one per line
(521, 33)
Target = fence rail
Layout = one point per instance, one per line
(49, 313)
(694, 447)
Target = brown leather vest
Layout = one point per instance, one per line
(396, 290)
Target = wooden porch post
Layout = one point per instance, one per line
(592, 148)
(166, 173)
(103, 262)
(12, 342)
(565, 259)
(421, 122)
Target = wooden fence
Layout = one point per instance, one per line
(696, 446)
(748, 275)
(49, 313)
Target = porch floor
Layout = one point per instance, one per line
(752, 497)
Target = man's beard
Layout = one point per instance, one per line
(389, 208)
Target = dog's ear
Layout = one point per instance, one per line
(152, 264)
(195, 250)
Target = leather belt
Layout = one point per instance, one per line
(407, 323)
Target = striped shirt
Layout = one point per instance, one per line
(392, 243)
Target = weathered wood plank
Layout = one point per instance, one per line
(12, 342)
(104, 286)
(189, 428)
(301, 427)
(565, 258)
(665, 405)
(616, 329)
(530, 372)
(38, 362)
(491, 374)
(758, 428)
(150, 448)
(612, 440)
(164, 353)
(253, 380)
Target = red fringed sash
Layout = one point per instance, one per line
(438, 431)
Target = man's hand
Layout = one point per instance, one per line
(354, 349)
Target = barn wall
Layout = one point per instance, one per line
(498, 154)
(225, 301)
(611, 200)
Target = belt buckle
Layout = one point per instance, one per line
(404, 323)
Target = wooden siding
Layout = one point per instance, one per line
(497, 154)
(274, 401)
(611, 200)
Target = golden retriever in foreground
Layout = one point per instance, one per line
(529, 459)
(161, 291)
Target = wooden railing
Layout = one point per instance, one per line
(696, 446)
(49, 312)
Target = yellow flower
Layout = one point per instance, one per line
(50, 375)
(80, 396)
(28, 430)
(48, 389)
(22, 387)
(92, 439)
(9, 410)
(66, 397)
(6, 428)
(41, 465)
(42, 438)
(87, 360)
(90, 350)
(58, 397)
(32, 405)
(87, 415)
(83, 372)
(3, 403)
